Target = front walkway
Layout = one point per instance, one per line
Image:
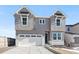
(28, 50)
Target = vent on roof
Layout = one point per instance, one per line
(22, 12)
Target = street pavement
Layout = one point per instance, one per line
(28, 50)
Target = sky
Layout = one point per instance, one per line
(7, 21)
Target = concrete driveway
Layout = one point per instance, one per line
(28, 50)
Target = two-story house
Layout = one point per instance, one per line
(36, 30)
(72, 35)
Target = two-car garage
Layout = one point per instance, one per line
(31, 39)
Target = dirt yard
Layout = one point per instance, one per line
(5, 49)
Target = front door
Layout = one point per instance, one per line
(46, 37)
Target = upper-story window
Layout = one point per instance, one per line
(24, 20)
(58, 23)
(42, 21)
(68, 29)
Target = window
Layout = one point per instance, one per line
(33, 35)
(38, 36)
(42, 21)
(58, 22)
(68, 29)
(57, 36)
(54, 36)
(27, 35)
(24, 20)
(21, 35)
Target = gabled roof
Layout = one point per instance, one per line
(73, 25)
(76, 24)
(58, 13)
(23, 10)
(69, 25)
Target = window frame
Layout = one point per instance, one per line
(54, 37)
(58, 18)
(58, 22)
(57, 35)
(20, 35)
(42, 21)
(22, 20)
(68, 29)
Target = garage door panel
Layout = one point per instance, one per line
(39, 42)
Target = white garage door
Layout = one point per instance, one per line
(31, 39)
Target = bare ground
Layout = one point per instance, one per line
(5, 49)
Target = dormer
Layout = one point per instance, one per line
(59, 14)
(59, 17)
(58, 21)
(24, 19)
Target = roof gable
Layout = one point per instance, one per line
(58, 13)
(23, 10)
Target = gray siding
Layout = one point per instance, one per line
(75, 29)
(18, 24)
(38, 28)
(57, 28)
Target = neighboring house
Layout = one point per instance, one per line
(73, 28)
(72, 35)
(6, 42)
(3, 42)
(33, 30)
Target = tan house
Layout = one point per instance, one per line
(33, 30)
(3, 42)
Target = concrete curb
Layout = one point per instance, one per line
(53, 51)
(60, 50)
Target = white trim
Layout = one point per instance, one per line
(22, 20)
(24, 14)
(55, 21)
(42, 16)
